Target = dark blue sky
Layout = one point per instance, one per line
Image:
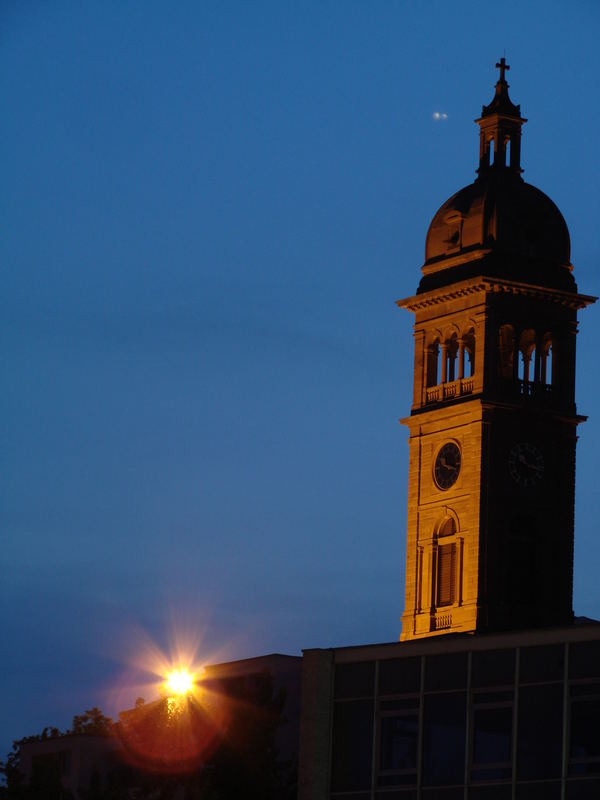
(208, 210)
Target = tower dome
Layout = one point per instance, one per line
(499, 225)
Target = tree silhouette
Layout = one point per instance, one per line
(92, 723)
(220, 746)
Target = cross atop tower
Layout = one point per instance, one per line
(503, 67)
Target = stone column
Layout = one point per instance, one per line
(538, 358)
(444, 369)
(461, 359)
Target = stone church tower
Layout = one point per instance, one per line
(493, 420)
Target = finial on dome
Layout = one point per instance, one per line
(501, 102)
(502, 66)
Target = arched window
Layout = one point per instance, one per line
(446, 562)
(446, 574)
(527, 352)
(506, 351)
(469, 353)
(447, 527)
(507, 152)
(547, 361)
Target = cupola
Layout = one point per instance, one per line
(499, 225)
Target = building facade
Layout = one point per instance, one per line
(504, 716)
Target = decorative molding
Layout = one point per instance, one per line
(487, 286)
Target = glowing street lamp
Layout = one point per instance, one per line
(180, 682)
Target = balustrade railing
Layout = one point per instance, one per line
(447, 391)
(464, 386)
(519, 389)
(443, 621)
(532, 388)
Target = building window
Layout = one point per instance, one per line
(443, 672)
(492, 724)
(398, 742)
(447, 527)
(527, 362)
(584, 750)
(444, 739)
(540, 729)
(493, 668)
(352, 735)
(468, 366)
(446, 574)
(399, 675)
(352, 743)
(354, 680)
(547, 366)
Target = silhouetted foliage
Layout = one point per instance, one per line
(221, 749)
(92, 723)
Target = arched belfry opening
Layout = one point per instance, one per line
(547, 376)
(467, 364)
(527, 356)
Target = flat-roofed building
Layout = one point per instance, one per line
(504, 715)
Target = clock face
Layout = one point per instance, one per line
(526, 464)
(447, 466)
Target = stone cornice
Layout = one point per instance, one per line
(489, 285)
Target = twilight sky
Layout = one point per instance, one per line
(208, 210)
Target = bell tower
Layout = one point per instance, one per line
(492, 428)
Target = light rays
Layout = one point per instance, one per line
(182, 719)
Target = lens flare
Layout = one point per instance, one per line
(183, 716)
(173, 735)
(180, 682)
